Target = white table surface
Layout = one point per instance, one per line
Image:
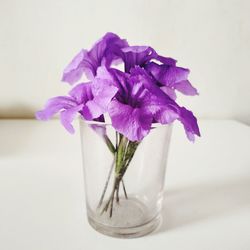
(42, 207)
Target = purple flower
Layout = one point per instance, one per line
(171, 78)
(139, 102)
(136, 56)
(91, 100)
(104, 52)
(68, 106)
(129, 110)
(134, 99)
(103, 90)
(168, 76)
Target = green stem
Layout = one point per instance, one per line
(109, 144)
(120, 154)
(117, 193)
(123, 155)
(124, 189)
(106, 184)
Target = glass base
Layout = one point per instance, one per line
(129, 220)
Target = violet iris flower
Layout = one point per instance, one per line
(134, 99)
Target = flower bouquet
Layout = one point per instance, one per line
(126, 106)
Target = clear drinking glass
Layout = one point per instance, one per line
(131, 206)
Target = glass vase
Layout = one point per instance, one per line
(124, 180)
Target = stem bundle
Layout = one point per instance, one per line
(123, 154)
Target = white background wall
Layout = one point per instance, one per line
(211, 37)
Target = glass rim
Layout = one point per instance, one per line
(154, 125)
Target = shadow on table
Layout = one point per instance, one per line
(191, 204)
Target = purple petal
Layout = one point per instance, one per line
(80, 63)
(169, 91)
(121, 82)
(93, 109)
(137, 56)
(103, 91)
(165, 115)
(55, 105)
(186, 88)
(140, 75)
(139, 94)
(166, 60)
(67, 117)
(171, 77)
(189, 122)
(155, 70)
(163, 108)
(103, 52)
(82, 92)
(104, 73)
(167, 75)
(176, 74)
(107, 49)
(133, 123)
